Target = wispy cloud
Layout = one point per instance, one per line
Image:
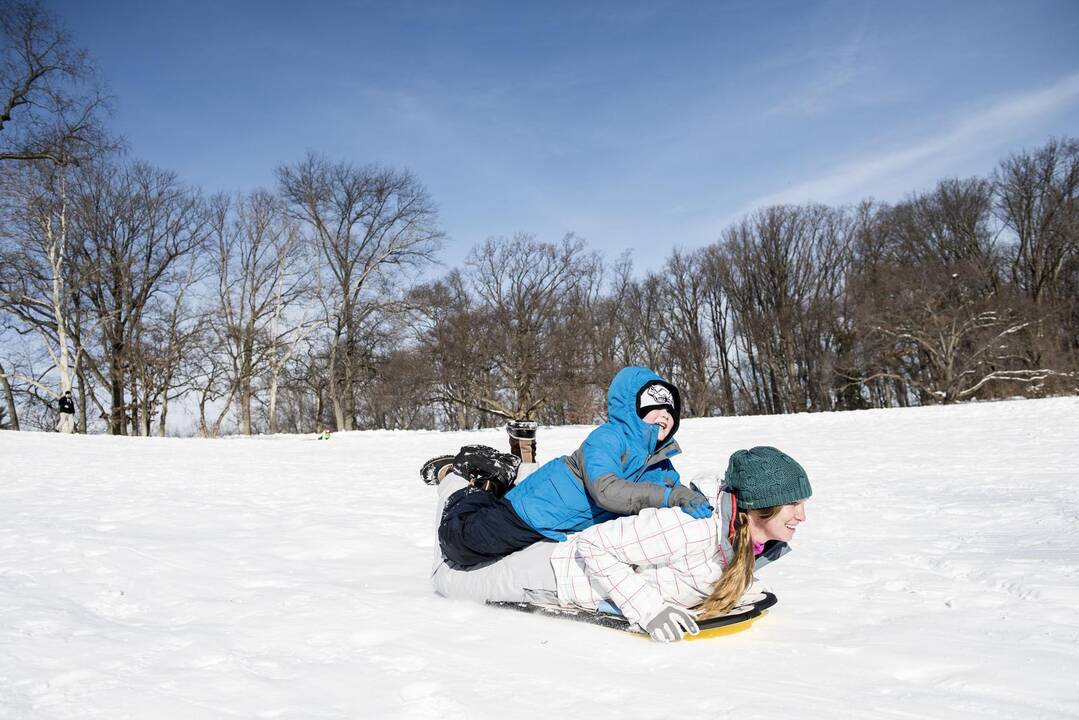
(840, 70)
(977, 132)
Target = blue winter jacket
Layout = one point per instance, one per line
(619, 470)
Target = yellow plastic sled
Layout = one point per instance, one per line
(740, 618)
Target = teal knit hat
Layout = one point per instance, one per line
(763, 476)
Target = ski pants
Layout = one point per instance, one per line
(525, 575)
(478, 527)
(66, 423)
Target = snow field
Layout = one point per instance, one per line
(283, 577)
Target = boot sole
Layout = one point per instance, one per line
(434, 470)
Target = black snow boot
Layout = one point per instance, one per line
(437, 468)
(523, 439)
(486, 468)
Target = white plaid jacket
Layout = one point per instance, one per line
(643, 562)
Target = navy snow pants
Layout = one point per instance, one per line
(478, 528)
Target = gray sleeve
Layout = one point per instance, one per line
(623, 497)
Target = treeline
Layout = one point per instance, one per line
(303, 307)
(970, 290)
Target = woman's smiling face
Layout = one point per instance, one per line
(780, 526)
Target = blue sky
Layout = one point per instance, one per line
(637, 125)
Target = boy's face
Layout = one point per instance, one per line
(661, 417)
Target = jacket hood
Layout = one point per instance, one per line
(622, 405)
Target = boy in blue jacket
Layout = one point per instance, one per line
(622, 467)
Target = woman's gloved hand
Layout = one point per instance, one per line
(671, 624)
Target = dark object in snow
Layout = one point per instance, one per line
(740, 617)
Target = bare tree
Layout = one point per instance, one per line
(1038, 200)
(640, 315)
(161, 346)
(448, 325)
(684, 327)
(51, 104)
(718, 317)
(522, 287)
(951, 352)
(936, 315)
(785, 272)
(35, 280)
(286, 337)
(369, 224)
(210, 378)
(136, 225)
(259, 277)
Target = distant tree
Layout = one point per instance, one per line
(785, 272)
(161, 348)
(577, 386)
(686, 331)
(369, 226)
(38, 285)
(258, 260)
(524, 289)
(640, 312)
(1037, 196)
(714, 267)
(287, 333)
(949, 350)
(448, 325)
(938, 319)
(399, 397)
(209, 377)
(137, 225)
(609, 343)
(51, 104)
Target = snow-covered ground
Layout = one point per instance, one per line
(283, 577)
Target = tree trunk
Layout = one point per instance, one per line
(147, 411)
(162, 416)
(9, 399)
(335, 396)
(117, 413)
(273, 401)
(245, 407)
(84, 424)
(204, 429)
(134, 406)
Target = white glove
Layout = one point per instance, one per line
(671, 624)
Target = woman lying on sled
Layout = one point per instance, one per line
(662, 568)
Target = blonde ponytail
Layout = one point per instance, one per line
(739, 574)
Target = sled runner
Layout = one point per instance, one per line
(740, 617)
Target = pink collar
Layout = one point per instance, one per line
(758, 548)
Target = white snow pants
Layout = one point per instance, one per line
(514, 578)
(66, 423)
